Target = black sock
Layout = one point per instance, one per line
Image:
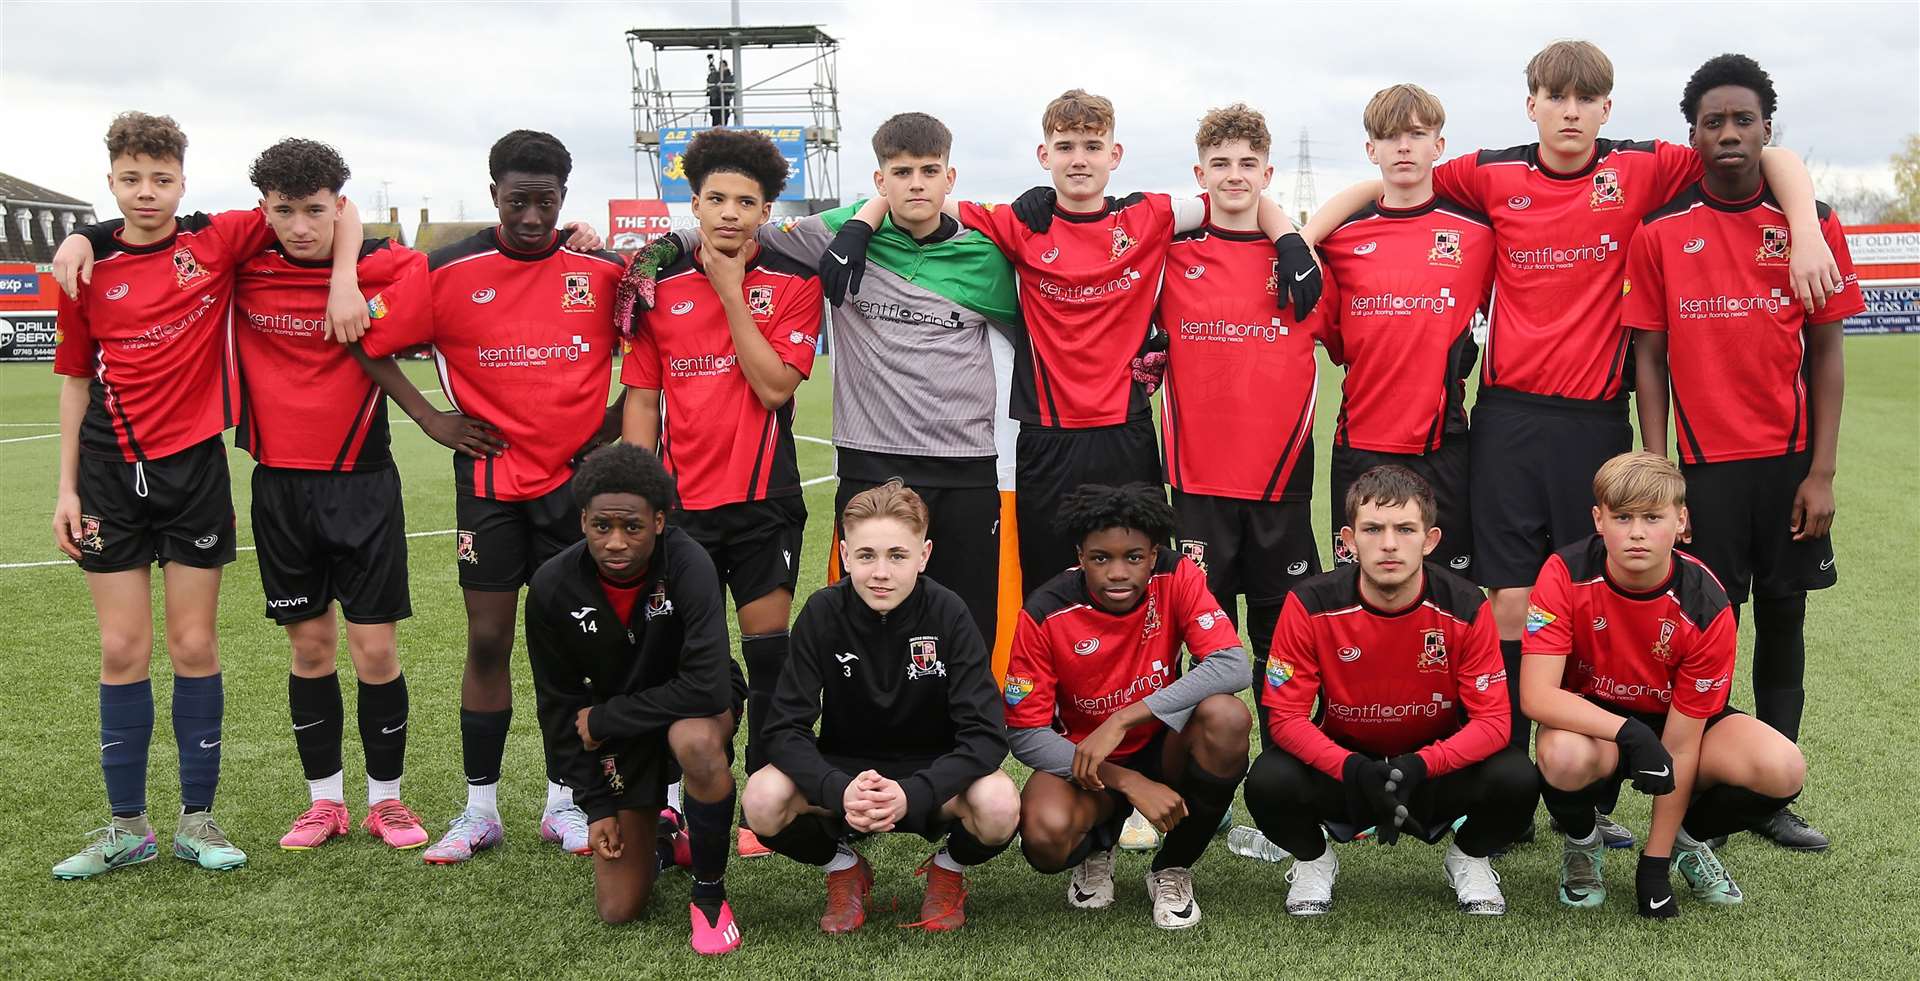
(807, 841)
(314, 704)
(1571, 809)
(1780, 662)
(1208, 796)
(483, 742)
(383, 727)
(1522, 732)
(1262, 621)
(709, 836)
(968, 851)
(766, 655)
(1726, 809)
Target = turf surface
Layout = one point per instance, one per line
(355, 908)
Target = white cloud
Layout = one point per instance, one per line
(423, 89)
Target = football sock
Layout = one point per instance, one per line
(709, 834)
(558, 796)
(964, 850)
(332, 787)
(807, 841)
(766, 655)
(1587, 840)
(1522, 732)
(843, 859)
(1571, 809)
(318, 719)
(1780, 662)
(379, 790)
(126, 730)
(1725, 809)
(1262, 621)
(198, 704)
(485, 798)
(483, 741)
(673, 795)
(1208, 796)
(383, 729)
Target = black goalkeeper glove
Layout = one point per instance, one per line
(1653, 889)
(1150, 365)
(1298, 275)
(1649, 765)
(845, 261)
(1368, 799)
(1035, 208)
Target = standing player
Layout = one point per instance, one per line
(522, 331)
(710, 380)
(627, 637)
(1097, 653)
(889, 664)
(1755, 385)
(914, 377)
(1552, 402)
(1412, 724)
(1237, 412)
(1650, 634)
(143, 476)
(1406, 274)
(1089, 268)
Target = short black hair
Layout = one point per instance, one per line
(1389, 486)
(297, 168)
(530, 152)
(623, 468)
(1097, 507)
(739, 151)
(1728, 69)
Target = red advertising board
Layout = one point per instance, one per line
(633, 222)
(25, 286)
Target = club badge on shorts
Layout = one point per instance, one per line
(463, 549)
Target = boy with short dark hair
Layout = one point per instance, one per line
(1755, 383)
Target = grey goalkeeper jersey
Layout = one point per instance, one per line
(913, 371)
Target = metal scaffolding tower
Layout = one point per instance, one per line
(1304, 197)
(780, 97)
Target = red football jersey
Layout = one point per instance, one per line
(1402, 287)
(153, 332)
(716, 438)
(1237, 407)
(524, 341)
(1713, 276)
(1087, 290)
(1073, 663)
(1562, 242)
(1427, 678)
(305, 403)
(1638, 652)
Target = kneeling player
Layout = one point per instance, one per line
(1098, 648)
(627, 636)
(1412, 728)
(1651, 637)
(911, 731)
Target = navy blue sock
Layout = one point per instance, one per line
(126, 730)
(198, 704)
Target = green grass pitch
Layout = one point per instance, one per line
(356, 909)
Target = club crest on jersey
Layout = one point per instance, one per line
(90, 538)
(463, 549)
(186, 268)
(1150, 625)
(1446, 247)
(923, 658)
(1775, 247)
(1121, 243)
(576, 292)
(1195, 551)
(658, 605)
(610, 768)
(760, 301)
(1663, 648)
(1433, 651)
(1538, 618)
(1278, 672)
(1607, 193)
(1018, 688)
(1273, 278)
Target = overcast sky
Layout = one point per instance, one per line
(414, 94)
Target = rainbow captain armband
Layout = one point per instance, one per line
(1018, 688)
(1279, 672)
(377, 307)
(1538, 618)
